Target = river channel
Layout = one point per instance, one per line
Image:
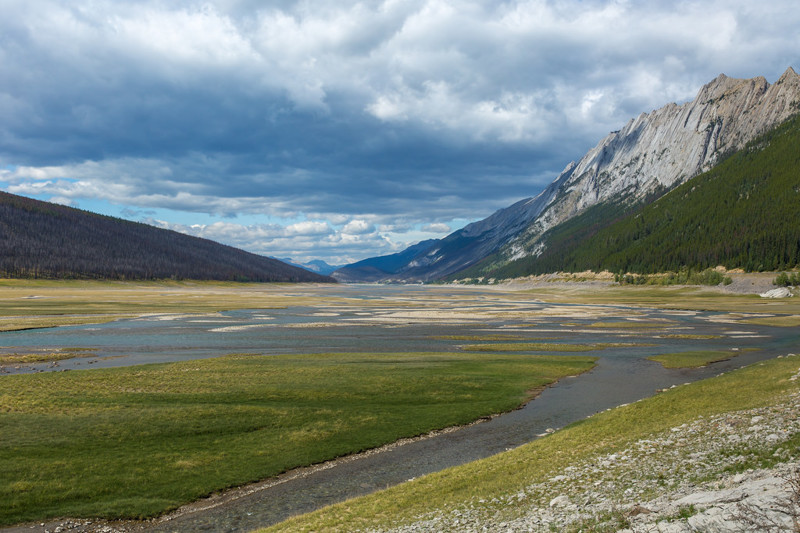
(395, 319)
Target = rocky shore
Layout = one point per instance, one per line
(707, 475)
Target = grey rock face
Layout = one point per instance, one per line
(665, 148)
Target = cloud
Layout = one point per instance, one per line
(391, 113)
(309, 227)
(442, 229)
(358, 227)
(301, 241)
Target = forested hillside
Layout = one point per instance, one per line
(45, 240)
(744, 213)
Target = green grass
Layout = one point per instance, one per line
(507, 473)
(138, 441)
(12, 358)
(694, 336)
(53, 321)
(542, 347)
(692, 359)
(476, 337)
(786, 321)
(627, 324)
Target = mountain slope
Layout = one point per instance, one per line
(743, 213)
(653, 153)
(382, 267)
(45, 240)
(436, 258)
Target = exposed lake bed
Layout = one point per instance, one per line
(388, 319)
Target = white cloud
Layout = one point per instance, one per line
(309, 227)
(358, 227)
(301, 241)
(439, 228)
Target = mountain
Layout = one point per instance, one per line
(46, 240)
(381, 268)
(320, 267)
(650, 155)
(743, 213)
(317, 266)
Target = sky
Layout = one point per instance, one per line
(340, 130)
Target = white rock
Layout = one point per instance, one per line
(560, 501)
(780, 292)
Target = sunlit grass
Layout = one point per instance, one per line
(543, 347)
(692, 359)
(785, 321)
(138, 441)
(19, 323)
(476, 337)
(692, 336)
(11, 358)
(626, 324)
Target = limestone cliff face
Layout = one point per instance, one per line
(665, 148)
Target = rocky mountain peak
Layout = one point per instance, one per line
(666, 147)
(788, 75)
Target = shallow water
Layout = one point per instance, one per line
(396, 319)
(403, 324)
(616, 380)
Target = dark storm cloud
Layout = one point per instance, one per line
(392, 114)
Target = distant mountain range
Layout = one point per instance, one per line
(45, 240)
(317, 265)
(378, 268)
(629, 169)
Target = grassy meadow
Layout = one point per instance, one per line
(139, 441)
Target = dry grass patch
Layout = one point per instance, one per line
(785, 321)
